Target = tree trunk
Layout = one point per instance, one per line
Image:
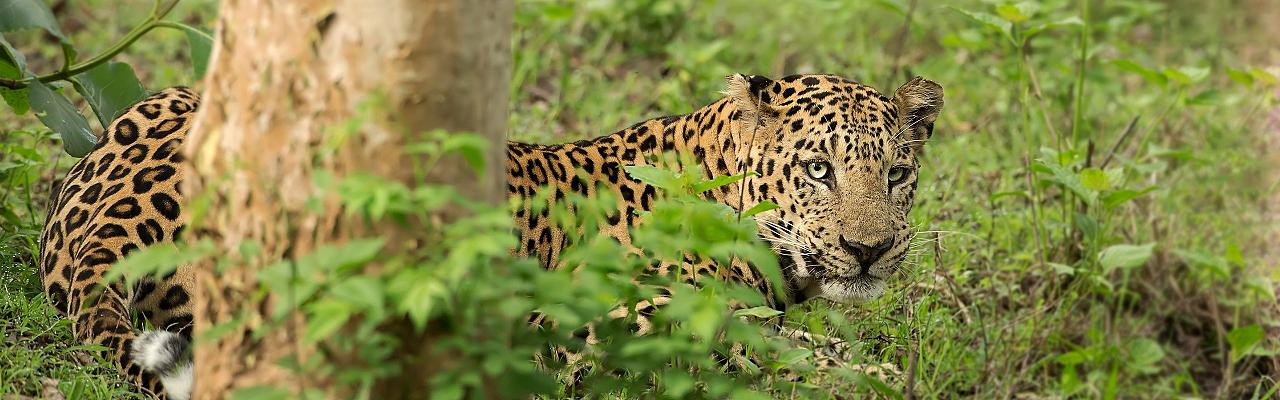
(284, 75)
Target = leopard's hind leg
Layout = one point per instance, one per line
(157, 361)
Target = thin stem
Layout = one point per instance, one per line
(184, 28)
(1035, 211)
(160, 11)
(1127, 131)
(901, 40)
(1035, 90)
(1078, 116)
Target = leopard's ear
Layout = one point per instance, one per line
(752, 95)
(919, 104)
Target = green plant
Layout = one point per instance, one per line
(108, 86)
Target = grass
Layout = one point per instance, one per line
(1018, 285)
(1007, 295)
(38, 345)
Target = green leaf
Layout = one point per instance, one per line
(468, 145)
(13, 58)
(1144, 354)
(200, 43)
(991, 22)
(262, 392)
(30, 14)
(1243, 339)
(420, 298)
(1205, 98)
(57, 113)
(340, 257)
(1262, 75)
(13, 66)
(1011, 13)
(1061, 269)
(896, 6)
(880, 387)
(707, 316)
(1067, 179)
(793, 356)
(762, 312)
(324, 317)
(677, 382)
(719, 181)
(557, 12)
(748, 394)
(1118, 197)
(1125, 256)
(359, 291)
(1037, 29)
(27, 14)
(655, 176)
(1242, 77)
(759, 208)
(88, 347)
(1018, 193)
(157, 259)
(10, 217)
(1216, 266)
(1186, 75)
(110, 88)
(1150, 74)
(1095, 179)
(1072, 358)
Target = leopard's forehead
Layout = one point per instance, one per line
(830, 91)
(834, 115)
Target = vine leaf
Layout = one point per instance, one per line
(57, 113)
(17, 15)
(13, 66)
(201, 44)
(27, 14)
(719, 181)
(12, 57)
(991, 22)
(1125, 256)
(110, 88)
(759, 208)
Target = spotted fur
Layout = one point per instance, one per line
(838, 235)
(120, 197)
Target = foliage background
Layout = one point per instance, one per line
(1038, 271)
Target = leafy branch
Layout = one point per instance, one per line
(107, 86)
(156, 20)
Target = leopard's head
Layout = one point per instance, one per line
(840, 161)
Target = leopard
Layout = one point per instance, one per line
(122, 196)
(839, 159)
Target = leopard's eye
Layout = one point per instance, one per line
(897, 175)
(818, 170)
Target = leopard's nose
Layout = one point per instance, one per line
(866, 254)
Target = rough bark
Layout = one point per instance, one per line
(283, 74)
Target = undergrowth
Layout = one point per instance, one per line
(1087, 221)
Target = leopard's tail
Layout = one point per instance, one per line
(166, 355)
(157, 361)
